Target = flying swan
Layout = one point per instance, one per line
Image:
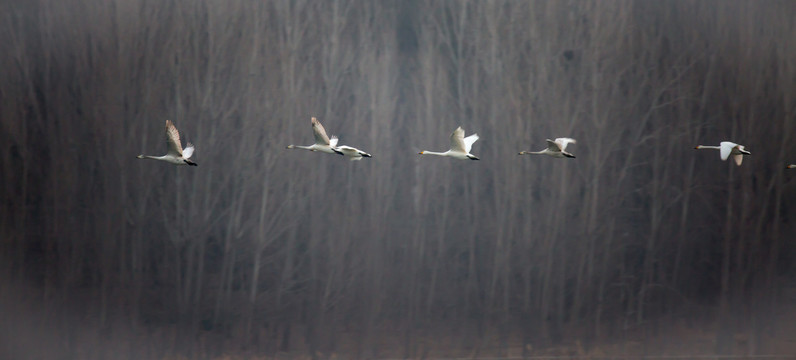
(176, 154)
(322, 141)
(727, 148)
(460, 146)
(554, 148)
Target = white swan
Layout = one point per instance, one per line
(460, 146)
(322, 141)
(175, 155)
(554, 148)
(727, 148)
(352, 153)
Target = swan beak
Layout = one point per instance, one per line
(140, 156)
(421, 153)
(696, 147)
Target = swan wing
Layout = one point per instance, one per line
(726, 149)
(333, 141)
(457, 140)
(188, 151)
(173, 139)
(320, 133)
(552, 146)
(563, 142)
(738, 159)
(469, 141)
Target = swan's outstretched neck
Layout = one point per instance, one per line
(299, 147)
(531, 153)
(142, 156)
(698, 147)
(424, 152)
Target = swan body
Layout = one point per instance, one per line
(322, 142)
(555, 148)
(175, 154)
(460, 146)
(727, 148)
(352, 153)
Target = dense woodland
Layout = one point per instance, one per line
(264, 251)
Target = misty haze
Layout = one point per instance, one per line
(640, 245)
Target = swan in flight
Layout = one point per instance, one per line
(322, 141)
(554, 148)
(726, 149)
(352, 153)
(460, 146)
(176, 154)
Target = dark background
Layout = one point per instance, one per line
(265, 251)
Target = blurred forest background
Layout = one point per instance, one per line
(265, 251)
